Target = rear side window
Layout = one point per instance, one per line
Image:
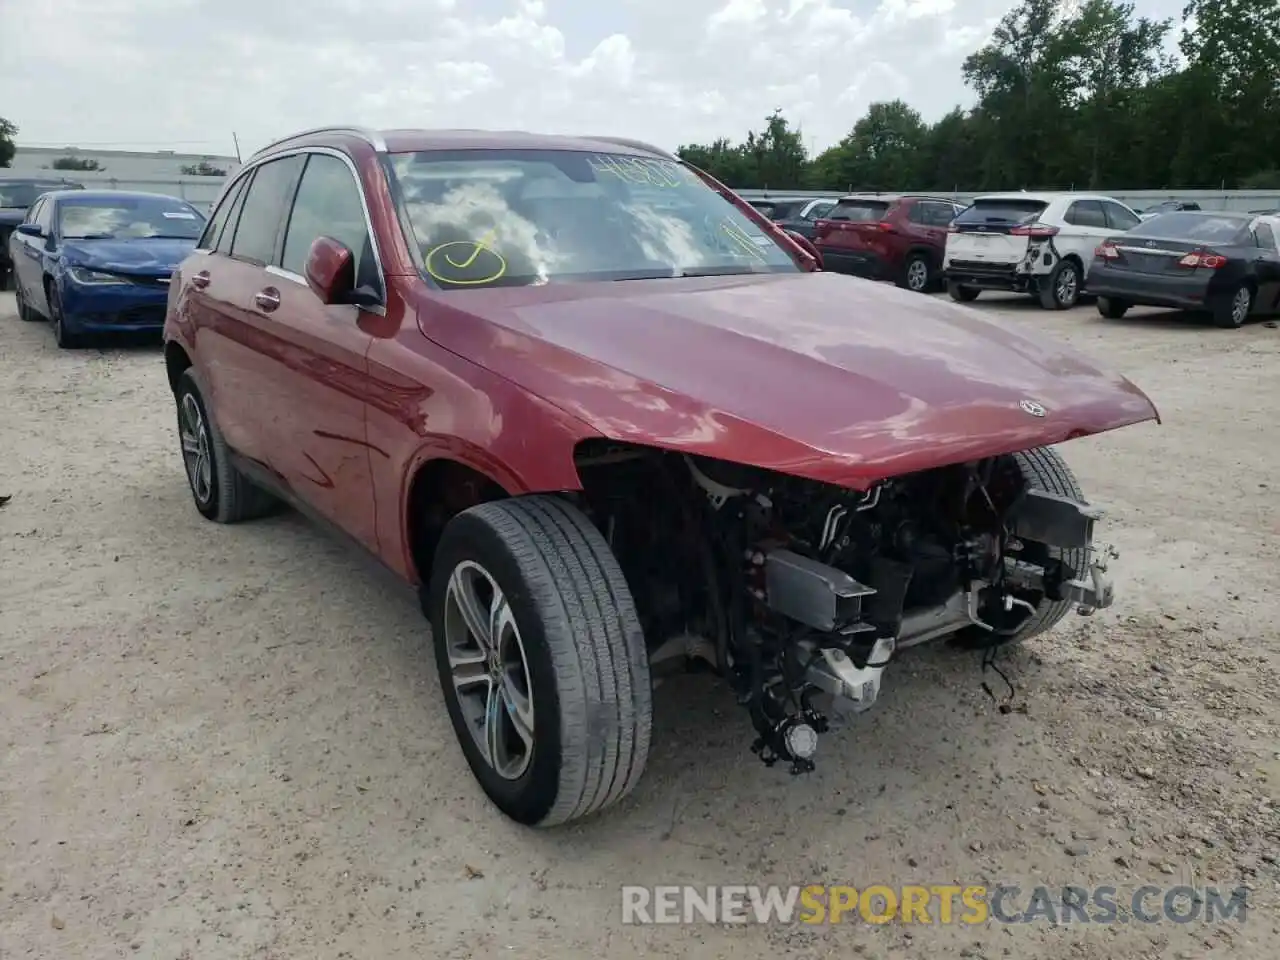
(932, 213)
(213, 230)
(820, 210)
(1118, 218)
(265, 204)
(1087, 213)
(1002, 210)
(1196, 227)
(859, 211)
(1266, 238)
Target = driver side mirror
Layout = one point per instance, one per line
(331, 274)
(30, 230)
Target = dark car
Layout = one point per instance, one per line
(1224, 264)
(99, 261)
(1167, 206)
(887, 237)
(17, 194)
(604, 420)
(796, 215)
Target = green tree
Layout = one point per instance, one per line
(881, 152)
(77, 163)
(202, 169)
(8, 133)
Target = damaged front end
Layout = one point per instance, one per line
(801, 594)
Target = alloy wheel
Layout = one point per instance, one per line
(1240, 306)
(1067, 284)
(917, 275)
(489, 669)
(195, 449)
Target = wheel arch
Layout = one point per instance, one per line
(176, 362)
(442, 482)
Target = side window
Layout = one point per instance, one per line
(1266, 238)
(328, 205)
(265, 205)
(44, 216)
(33, 215)
(233, 216)
(213, 229)
(919, 212)
(1119, 218)
(1087, 213)
(820, 211)
(939, 214)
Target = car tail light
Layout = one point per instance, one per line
(884, 226)
(1038, 231)
(1107, 251)
(1211, 261)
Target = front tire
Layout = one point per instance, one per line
(64, 338)
(1111, 308)
(25, 313)
(1061, 289)
(1044, 469)
(220, 491)
(541, 658)
(961, 293)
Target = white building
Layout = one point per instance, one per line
(196, 177)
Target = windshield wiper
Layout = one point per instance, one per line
(90, 236)
(715, 272)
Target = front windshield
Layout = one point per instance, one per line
(128, 218)
(485, 218)
(20, 195)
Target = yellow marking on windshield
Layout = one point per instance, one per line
(743, 240)
(643, 171)
(470, 250)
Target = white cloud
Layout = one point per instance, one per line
(186, 73)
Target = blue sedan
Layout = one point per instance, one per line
(99, 261)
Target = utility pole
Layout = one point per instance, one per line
(236, 141)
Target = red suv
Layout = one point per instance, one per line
(887, 237)
(609, 423)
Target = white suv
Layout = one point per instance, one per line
(1036, 243)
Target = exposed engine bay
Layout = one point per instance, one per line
(801, 593)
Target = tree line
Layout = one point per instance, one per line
(1077, 94)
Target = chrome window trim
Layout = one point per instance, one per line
(258, 160)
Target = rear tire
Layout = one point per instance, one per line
(583, 714)
(1044, 469)
(1111, 308)
(221, 492)
(961, 293)
(917, 274)
(1061, 289)
(1232, 310)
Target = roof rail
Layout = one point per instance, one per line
(637, 144)
(371, 137)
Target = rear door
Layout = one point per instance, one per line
(1084, 227)
(231, 338)
(929, 220)
(27, 253)
(982, 233)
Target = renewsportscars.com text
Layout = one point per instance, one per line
(933, 904)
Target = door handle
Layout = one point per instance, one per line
(200, 280)
(268, 299)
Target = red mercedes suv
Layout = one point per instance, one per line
(608, 423)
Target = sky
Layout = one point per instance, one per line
(187, 74)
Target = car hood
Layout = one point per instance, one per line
(818, 375)
(140, 255)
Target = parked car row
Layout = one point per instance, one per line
(96, 261)
(1054, 247)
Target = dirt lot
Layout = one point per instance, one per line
(229, 742)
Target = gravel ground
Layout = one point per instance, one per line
(229, 742)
